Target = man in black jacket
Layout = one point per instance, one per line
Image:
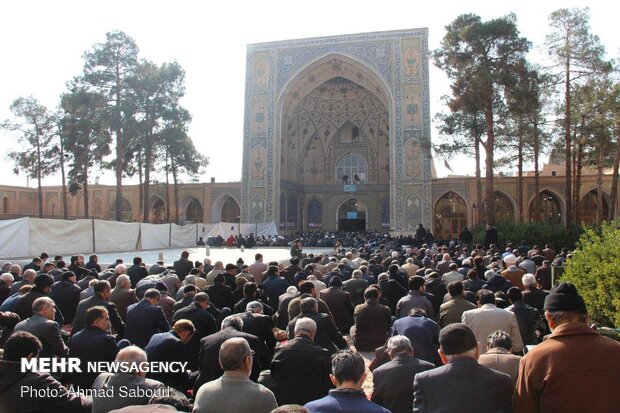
(66, 295)
(145, 318)
(327, 334)
(300, 369)
(103, 290)
(183, 266)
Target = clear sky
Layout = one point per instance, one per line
(43, 42)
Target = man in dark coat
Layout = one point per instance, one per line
(490, 236)
(372, 322)
(123, 295)
(393, 381)
(250, 290)
(66, 295)
(137, 272)
(221, 295)
(300, 369)
(43, 326)
(183, 266)
(170, 347)
(77, 266)
(23, 345)
(145, 318)
(92, 344)
(102, 298)
(449, 388)
(421, 331)
(391, 290)
(339, 303)
(259, 325)
(327, 334)
(210, 368)
(42, 287)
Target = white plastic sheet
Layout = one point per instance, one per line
(154, 236)
(112, 236)
(60, 236)
(208, 230)
(15, 238)
(183, 236)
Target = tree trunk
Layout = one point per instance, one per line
(489, 147)
(147, 179)
(599, 186)
(85, 177)
(478, 180)
(577, 181)
(65, 209)
(176, 191)
(140, 180)
(39, 186)
(167, 188)
(120, 147)
(520, 172)
(567, 146)
(613, 195)
(536, 217)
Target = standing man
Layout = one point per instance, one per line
(573, 357)
(183, 266)
(490, 237)
(348, 375)
(257, 269)
(393, 381)
(234, 392)
(296, 249)
(456, 386)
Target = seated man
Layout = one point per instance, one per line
(300, 368)
(127, 389)
(43, 326)
(450, 388)
(145, 318)
(327, 334)
(348, 374)
(23, 345)
(234, 392)
(372, 322)
(422, 332)
(393, 381)
(92, 343)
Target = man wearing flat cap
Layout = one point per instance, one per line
(575, 369)
(462, 384)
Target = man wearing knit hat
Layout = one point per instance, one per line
(462, 384)
(575, 369)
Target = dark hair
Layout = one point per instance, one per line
(67, 274)
(185, 254)
(371, 293)
(471, 274)
(44, 256)
(273, 269)
(20, 345)
(305, 287)
(102, 286)
(95, 313)
(137, 260)
(189, 288)
(60, 264)
(347, 365)
(295, 260)
(455, 288)
(172, 397)
(485, 297)
(152, 293)
(258, 256)
(307, 305)
(514, 294)
(499, 338)
(416, 282)
(249, 288)
(201, 298)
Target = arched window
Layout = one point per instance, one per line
(352, 166)
(315, 216)
(546, 207)
(589, 212)
(193, 211)
(126, 211)
(504, 209)
(450, 216)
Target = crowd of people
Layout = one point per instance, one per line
(455, 327)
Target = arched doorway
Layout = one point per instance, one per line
(158, 210)
(589, 212)
(549, 208)
(193, 211)
(504, 207)
(225, 209)
(352, 216)
(126, 211)
(450, 216)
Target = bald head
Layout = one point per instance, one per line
(133, 356)
(236, 355)
(29, 275)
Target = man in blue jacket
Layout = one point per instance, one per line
(348, 375)
(145, 318)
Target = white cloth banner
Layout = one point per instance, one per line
(208, 230)
(60, 236)
(154, 236)
(113, 236)
(15, 238)
(183, 236)
(232, 228)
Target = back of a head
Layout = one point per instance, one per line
(308, 305)
(455, 288)
(42, 303)
(564, 303)
(172, 397)
(457, 339)
(306, 287)
(137, 260)
(371, 293)
(123, 281)
(101, 287)
(416, 282)
(233, 321)
(21, 344)
(185, 254)
(254, 307)
(249, 288)
(356, 274)
(399, 344)
(499, 339)
(95, 313)
(528, 280)
(485, 297)
(152, 294)
(290, 408)
(348, 365)
(514, 294)
(305, 325)
(201, 298)
(233, 352)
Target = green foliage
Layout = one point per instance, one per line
(595, 271)
(533, 233)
